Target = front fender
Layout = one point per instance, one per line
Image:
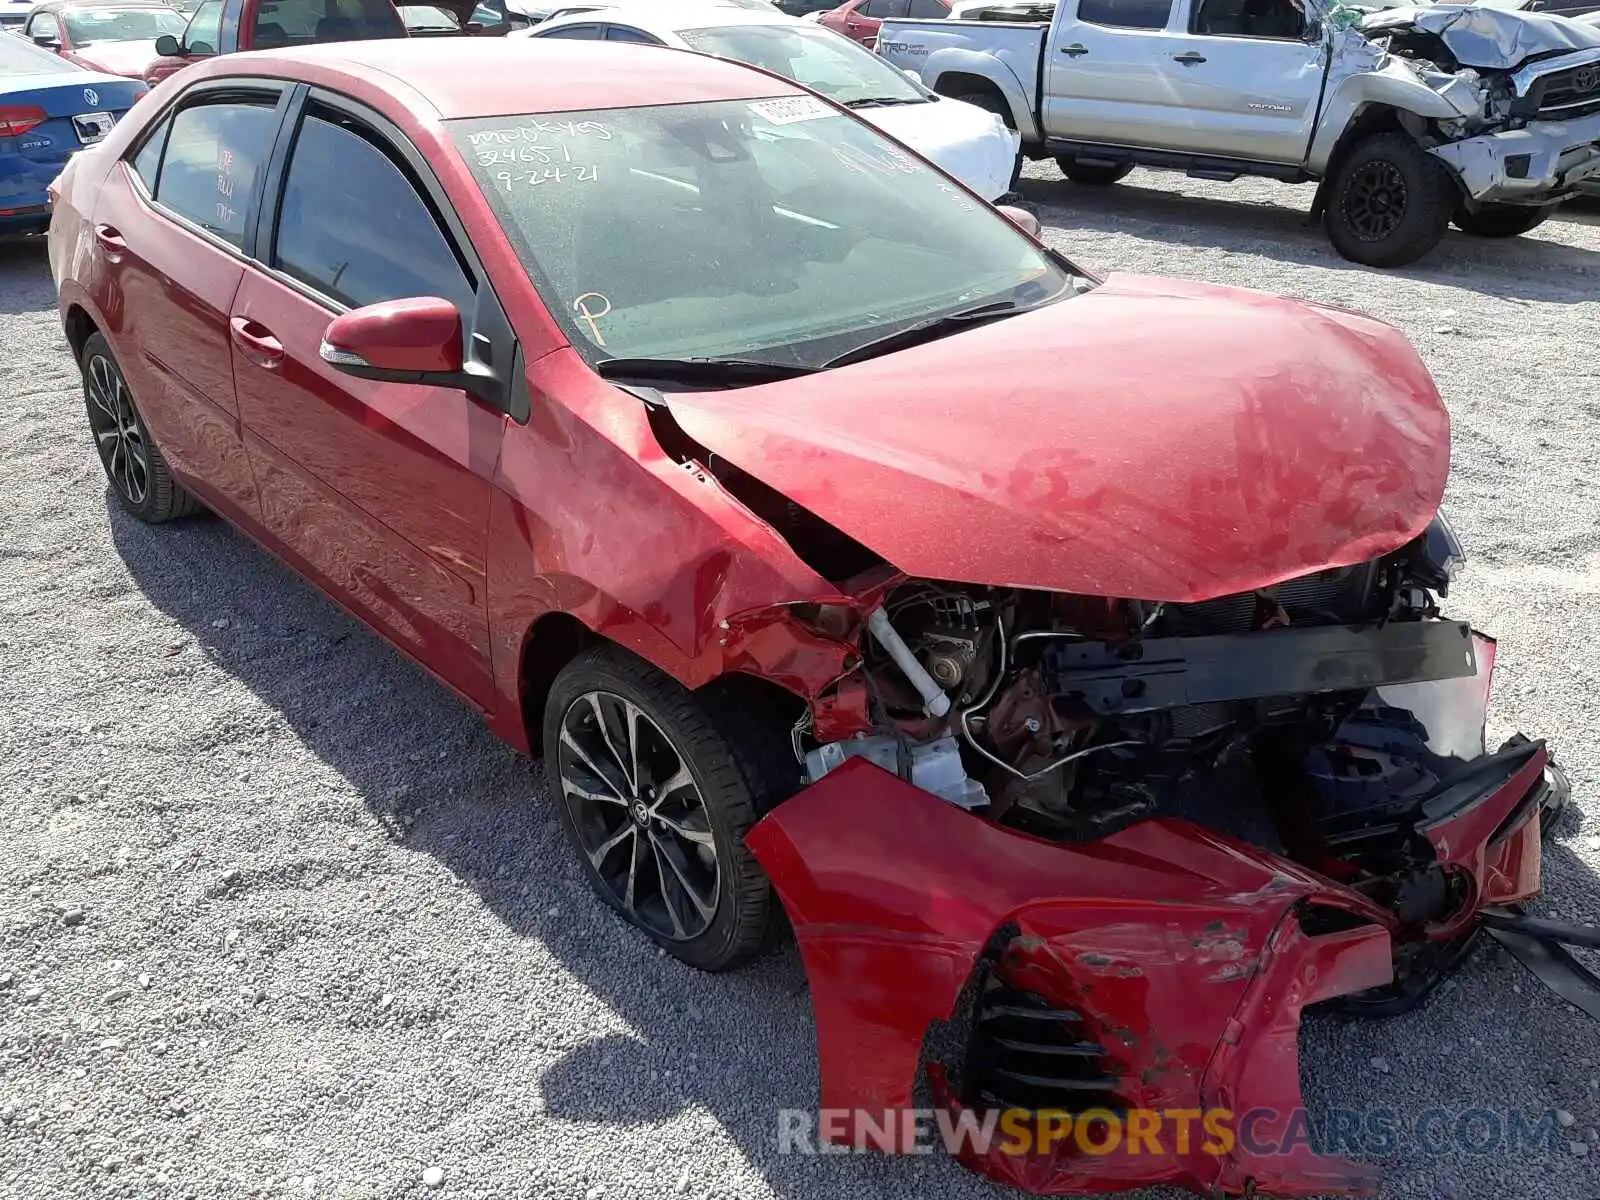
(951, 60)
(1391, 84)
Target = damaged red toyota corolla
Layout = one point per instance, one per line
(1065, 654)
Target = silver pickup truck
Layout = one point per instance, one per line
(1409, 118)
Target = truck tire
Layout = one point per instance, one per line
(996, 103)
(1390, 202)
(1501, 220)
(1092, 174)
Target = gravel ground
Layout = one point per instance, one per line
(280, 918)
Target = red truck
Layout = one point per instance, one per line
(228, 26)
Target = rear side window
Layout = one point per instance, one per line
(929, 10)
(577, 32)
(354, 227)
(302, 22)
(1126, 14)
(147, 163)
(621, 33)
(214, 154)
(884, 10)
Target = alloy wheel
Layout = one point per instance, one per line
(639, 815)
(1375, 200)
(117, 433)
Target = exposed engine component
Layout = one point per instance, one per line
(934, 766)
(1074, 716)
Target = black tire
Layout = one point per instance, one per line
(133, 464)
(731, 790)
(1501, 220)
(996, 103)
(1389, 203)
(1093, 174)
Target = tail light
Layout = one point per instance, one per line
(17, 119)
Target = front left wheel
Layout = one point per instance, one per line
(656, 798)
(134, 467)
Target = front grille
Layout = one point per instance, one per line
(1575, 92)
(1337, 595)
(1026, 1054)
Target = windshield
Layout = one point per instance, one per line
(86, 26)
(780, 230)
(812, 55)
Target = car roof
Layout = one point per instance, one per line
(487, 77)
(663, 16)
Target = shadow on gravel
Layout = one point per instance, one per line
(25, 283)
(1525, 268)
(738, 1046)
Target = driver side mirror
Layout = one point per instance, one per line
(168, 46)
(1021, 218)
(47, 41)
(405, 341)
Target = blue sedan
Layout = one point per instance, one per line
(49, 110)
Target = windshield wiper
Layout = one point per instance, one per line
(700, 370)
(932, 328)
(884, 101)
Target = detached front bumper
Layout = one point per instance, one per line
(1152, 974)
(1542, 162)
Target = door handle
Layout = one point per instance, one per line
(256, 342)
(1189, 58)
(1075, 49)
(110, 241)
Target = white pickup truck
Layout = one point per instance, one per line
(1409, 118)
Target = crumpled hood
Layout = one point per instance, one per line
(1491, 38)
(1153, 439)
(969, 142)
(118, 58)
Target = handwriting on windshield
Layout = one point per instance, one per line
(589, 310)
(883, 161)
(539, 130)
(512, 180)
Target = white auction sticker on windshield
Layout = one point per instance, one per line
(791, 109)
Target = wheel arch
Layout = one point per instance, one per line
(956, 72)
(79, 325)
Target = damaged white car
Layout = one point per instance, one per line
(1410, 118)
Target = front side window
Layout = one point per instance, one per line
(1280, 19)
(1126, 14)
(86, 26)
(44, 25)
(204, 31)
(147, 163)
(884, 10)
(780, 230)
(575, 32)
(820, 59)
(304, 22)
(928, 10)
(214, 154)
(353, 227)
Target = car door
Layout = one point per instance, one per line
(380, 489)
(1249, 76)
(1104, 77)
(170, 224)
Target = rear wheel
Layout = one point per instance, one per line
(1501, 220)
(995, 103)
(1093, 174)
(1389, 202)
(133, 464)
(656, 798)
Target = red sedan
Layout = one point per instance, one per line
(1065, 654)
(859, 19)
(117, 37)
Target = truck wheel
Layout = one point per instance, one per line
(1092, 174)
(1390, 202)
(1501, 220)
(996, 103)
(656, 795)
